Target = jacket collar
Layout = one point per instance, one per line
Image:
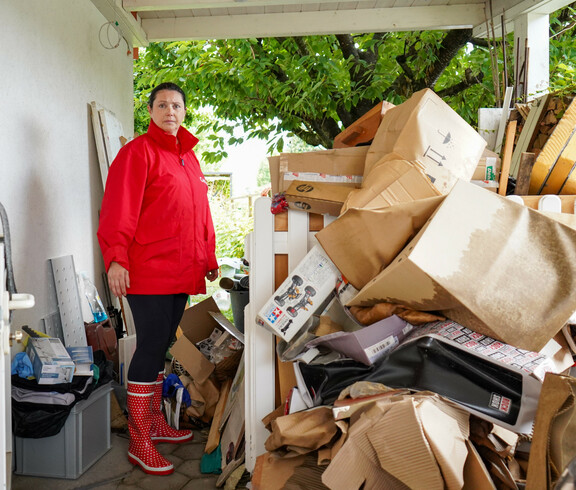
(169, 142)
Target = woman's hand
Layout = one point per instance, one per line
(118, 279)
(212, 275)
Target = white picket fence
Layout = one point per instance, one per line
(259, 357)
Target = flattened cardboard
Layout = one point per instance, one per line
(274, 166)
(553, 445)
(391, 182)
(317, 197)
(402, 442)
(381, 234)
(427, 130)
(495, 266)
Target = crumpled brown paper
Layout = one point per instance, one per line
(368, 315)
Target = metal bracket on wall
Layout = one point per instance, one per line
(69, 304)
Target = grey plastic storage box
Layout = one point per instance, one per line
(83, 440)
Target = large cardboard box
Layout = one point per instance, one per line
(493, 265)
(337, 166)
(298, 297)
(428, 131)
(50, 360)
(197, 324)
(317, 197)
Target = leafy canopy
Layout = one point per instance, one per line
(313, 87)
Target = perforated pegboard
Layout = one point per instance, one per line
(69, 304)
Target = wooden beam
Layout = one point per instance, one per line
(163, 5)
(214, 434)
(507, 157)
(524, 171)
(310, 23)
(526, 138)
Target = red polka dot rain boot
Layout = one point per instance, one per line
(160, 430)
(141, 450)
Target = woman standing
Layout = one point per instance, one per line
(158, 243)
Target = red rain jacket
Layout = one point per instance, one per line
(155, 219)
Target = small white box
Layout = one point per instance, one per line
(298, 297)
(50, 360)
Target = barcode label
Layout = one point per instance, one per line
(381, 347)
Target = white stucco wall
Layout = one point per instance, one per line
(52, 65)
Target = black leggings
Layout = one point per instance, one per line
(156, 318)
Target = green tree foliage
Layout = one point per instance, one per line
(313, 87)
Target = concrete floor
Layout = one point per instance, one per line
(113, 471)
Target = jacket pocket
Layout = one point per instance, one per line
(157, 247)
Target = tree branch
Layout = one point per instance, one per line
(451, 44)
(469, 80)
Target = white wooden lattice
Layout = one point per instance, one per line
(261, 246)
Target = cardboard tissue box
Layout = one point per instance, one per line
(297, 298)
(198, 325)
(50, 360)
(493, 265)
(426, 130)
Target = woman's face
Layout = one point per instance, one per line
(168, 110)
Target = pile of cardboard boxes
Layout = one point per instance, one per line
(429, 327)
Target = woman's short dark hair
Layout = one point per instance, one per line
(165, 86)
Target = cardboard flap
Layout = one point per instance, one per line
(382, 233)
(391, 182)
(399, 435)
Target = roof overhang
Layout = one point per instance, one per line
(144, 21)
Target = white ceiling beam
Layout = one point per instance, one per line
(311, 23)
(160, 5)
(512, 9)
(129, 26)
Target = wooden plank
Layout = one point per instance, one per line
(259, 347)
(525, 170)
(113, 134)
(99, 140)
(528, 133)
(504, 118)
(563, 168)
(555, 145)
(506, 157)
(214, 434)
